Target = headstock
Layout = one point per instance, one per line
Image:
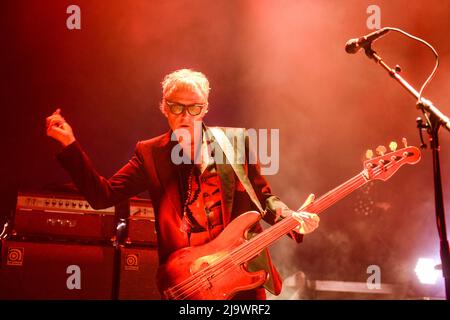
(386, 164)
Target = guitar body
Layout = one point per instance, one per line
(184, 274)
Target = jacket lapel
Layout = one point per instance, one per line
(227, 182)
(226, 176)
(167, 171)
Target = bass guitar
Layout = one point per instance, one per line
(217, 270)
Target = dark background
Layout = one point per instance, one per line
(271, 64)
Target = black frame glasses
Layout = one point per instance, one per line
(178, 108)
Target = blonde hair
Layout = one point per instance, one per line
(185, 78)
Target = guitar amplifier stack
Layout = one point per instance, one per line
(59, 247)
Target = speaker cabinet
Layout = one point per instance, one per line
(138, 266)
(39, 270)
(44, 270)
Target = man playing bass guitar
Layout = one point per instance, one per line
(194, 201)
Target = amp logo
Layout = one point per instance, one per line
(15, 257)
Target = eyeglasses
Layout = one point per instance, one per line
(178, 108)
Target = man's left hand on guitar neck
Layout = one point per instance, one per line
(308, 221)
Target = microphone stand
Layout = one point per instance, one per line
(436, 119)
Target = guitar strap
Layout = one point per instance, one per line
(233, 156)
(263, 260)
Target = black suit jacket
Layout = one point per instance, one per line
(152, 169)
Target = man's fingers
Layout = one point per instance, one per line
(308, 201)
(308, 221)
(57, 119)
(54, 129)
(303, 215)
(313, 218)
(55, 115)
(56, 122)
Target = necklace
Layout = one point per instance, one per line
(190, 199)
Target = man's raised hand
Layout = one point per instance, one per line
(59, 129)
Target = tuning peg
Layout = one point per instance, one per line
(381, 150)
(369, 154)
(405, 142)
(393, 146)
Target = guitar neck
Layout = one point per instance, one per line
(255, 245)
(335, 195)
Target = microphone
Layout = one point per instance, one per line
(354, 45)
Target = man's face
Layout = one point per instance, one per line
(184, 120)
